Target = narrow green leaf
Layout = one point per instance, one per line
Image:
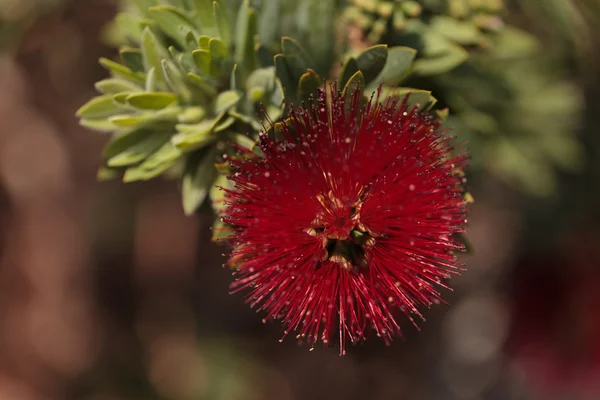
(285, 76)
(218, 49)
(106, 173)
(155, 164)
(191, 41)
(125, 140)
(349, 68)
(151, 78)
(226, 100)
(197, 138)
(138, 151)
(224, 125)
(116, 85)
(153, 50)
(122, 71)
(101, 106)
(307, 88)
(222, 22)
(97, 124)
(221, 231)
(130, 120)
(414, 97)
(206, 18)
(203, 61)
(173, 22)
(217, 195)
(204, 42)
(151, 101)
(296, 57)
(265, 56)
(191, 115)
(132, 58)
(245, 31)
(356, 82)
(197, 181)
(174, 79)
(201, 83)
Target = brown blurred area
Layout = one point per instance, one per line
(107, 292)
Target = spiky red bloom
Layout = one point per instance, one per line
(347, 219)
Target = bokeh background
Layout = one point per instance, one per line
(107, 292)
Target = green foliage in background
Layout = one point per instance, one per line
(505, 93)
(193, 77)
(189, 82)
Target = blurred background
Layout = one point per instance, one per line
(107, 292)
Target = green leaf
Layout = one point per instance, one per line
(356, 82)
(314, 20)
(284, 74)
(204, 14)
(221, 231)
(128, 26)
(414, 97)
(203, 61)
(441, 56)
(218, 49)
(349, 68)
(217, 194)
(151, 79)
(198, 178)
(195, 136)
(224, 125)
(174, 79)
(152, 51)
(310, 82)
(116, 85)
(105, 174)
(244, 38)
(226, 100)
(372, 61)
(122, 71)
(204, 42)
(139, 151)
(263, 78)
(158, 162)
(265, 56)
(222, 22)
(125, 140)
(201, 83)
(173, 22)
(460, 31)
(191, 115)
(132, 58)
(101, 106)
(97, 124)
(169, 114)
(151, 101)
(399, 61)
(296, 57)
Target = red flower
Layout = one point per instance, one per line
(347, 218)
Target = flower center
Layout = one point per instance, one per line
(345, 241)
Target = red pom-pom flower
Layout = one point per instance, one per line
(347, 219)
